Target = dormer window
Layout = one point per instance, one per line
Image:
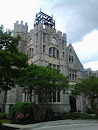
(70, 50)
(71, 59)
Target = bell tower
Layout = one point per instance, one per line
(44, 19)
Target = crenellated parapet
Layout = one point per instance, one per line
(20, 28)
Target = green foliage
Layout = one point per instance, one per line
(85, 116)
(3, 115)
(8, 121)
(90, 111)
(11, 60)
(95, 117)
(43, 81)
(76, 116)
(23, 107)
(1, 123)
(89, 88)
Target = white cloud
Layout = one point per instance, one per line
(87, 49)
(92, 65)
(17, 10)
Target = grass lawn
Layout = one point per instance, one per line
(6, 120)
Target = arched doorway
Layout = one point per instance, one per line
(72, 104)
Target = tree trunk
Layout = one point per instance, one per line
(4, 101)
(39, 111)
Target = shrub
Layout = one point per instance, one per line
(90, 111)
(76, 116)
(3, 115)
(1, 123)
(85, 116)
(22, 109)
(95, 117)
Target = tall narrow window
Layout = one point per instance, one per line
(58, 96)
(70, 50)
(58, 68)
(43, 48)
(69, 76)
(57, 54)
(63, 55)
(71, 59)
(54, 66)
(50, 51)
(50, 65)
(53, 52)
(32, 52)
(73, 75)
(54, 96)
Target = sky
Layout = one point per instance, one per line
(77, 18)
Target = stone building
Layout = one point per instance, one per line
(89, 72)
(46, 46)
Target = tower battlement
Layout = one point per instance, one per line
(20, 28)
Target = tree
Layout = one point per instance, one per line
(42, 81)
(11, 60)
(89, 88)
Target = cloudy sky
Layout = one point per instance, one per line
(77, 18)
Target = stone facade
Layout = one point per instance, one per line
(46, 46)
(89, 72)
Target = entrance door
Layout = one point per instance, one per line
(72, 103)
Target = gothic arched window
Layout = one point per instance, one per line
(32, 52)
(57, 54)
(50, 51)
(53, 52)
